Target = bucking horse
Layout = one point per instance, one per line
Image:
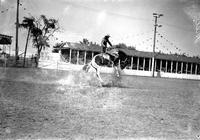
(113, 57)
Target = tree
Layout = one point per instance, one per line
(44, 29)
(27, 23)
(124, 46)
(40, 30)
(85, 41)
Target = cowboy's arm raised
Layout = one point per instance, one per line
(109, 43)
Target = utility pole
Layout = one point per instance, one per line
(17, 28)
(156, 16)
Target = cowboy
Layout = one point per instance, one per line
(113, 53)
(104, 43)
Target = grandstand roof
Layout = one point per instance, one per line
(132, 52)
(5, 39)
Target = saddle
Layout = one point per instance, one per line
(105, 58)
(110, 55)
(113, 52)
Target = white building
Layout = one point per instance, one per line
(75, 55)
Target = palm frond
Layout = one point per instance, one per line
(28, 22)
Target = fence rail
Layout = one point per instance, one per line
(10, 61)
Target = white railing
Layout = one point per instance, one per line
(59, 65)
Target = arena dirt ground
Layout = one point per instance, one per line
(51, 104)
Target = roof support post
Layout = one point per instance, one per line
(160, 65)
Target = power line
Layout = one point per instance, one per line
(35, 7)
(12, 7)
(170, 44)
(177, 27)
(25, 8)
(6, 10)
(108, 12)
(29, 6)
(133, 18)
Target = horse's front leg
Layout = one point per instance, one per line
(86, 67)
(117, 71)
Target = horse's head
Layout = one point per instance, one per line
(123, 59)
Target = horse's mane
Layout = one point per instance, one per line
(122, 54)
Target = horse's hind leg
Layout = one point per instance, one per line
(98, 75)
(86, 67)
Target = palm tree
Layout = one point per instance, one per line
(40, 30)
(27, 23)
(44, 30)
(85, 41)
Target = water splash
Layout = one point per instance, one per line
(83, 90)
(69, 80)
(80, 79)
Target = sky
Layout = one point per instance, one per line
(126, 21)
